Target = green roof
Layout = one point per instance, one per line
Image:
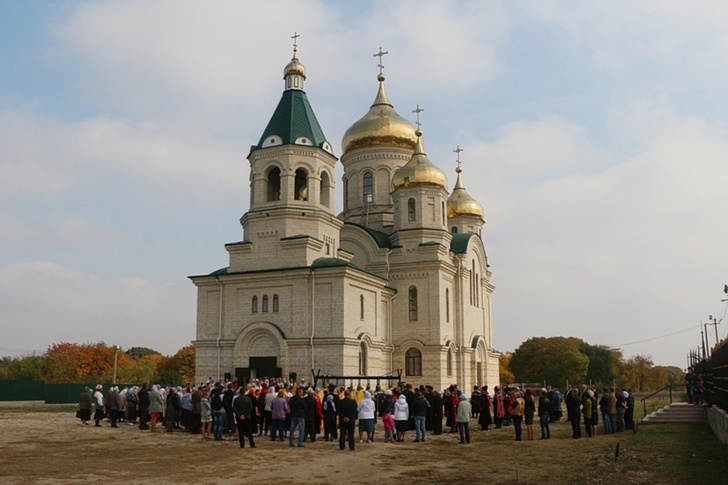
(293, 118)
(459, 243)
(329, 263)
(381, 238)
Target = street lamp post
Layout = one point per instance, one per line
(116, 358)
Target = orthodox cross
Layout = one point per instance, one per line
(417, 113)
(380, 54)
(295, 37)
(458, 150)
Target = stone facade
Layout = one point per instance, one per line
(398, 280)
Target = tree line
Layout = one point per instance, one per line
(558, 360)
(65, 363)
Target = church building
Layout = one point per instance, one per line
(397, 281)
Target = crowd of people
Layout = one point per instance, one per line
(288, 411)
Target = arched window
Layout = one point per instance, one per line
(368, 188)
(325, 189)
(447, 304)
(275, 303)
(254, 305)
(449, 361)
(346, 194)
(472, 284)
(361, 307)
(477, 290)
(362, 359)
(413, 362)
(443, 213)
(411, 211)
(413, 303)
(274, 184)
(454, 229)
(265, 303)
(301, 185)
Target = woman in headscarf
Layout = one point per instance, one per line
(401, 417)
(366, 411)
(84, 405)
(329, 407)
(156, 406)
(99, 413)
(131, 404)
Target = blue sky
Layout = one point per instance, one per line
(594, 136)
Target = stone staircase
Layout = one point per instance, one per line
(680, 412)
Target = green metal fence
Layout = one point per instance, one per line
(48, 393)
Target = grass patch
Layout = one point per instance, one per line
(681, 453)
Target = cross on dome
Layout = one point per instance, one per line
(380, 55)
(295, 37)
(417, 112)
(458, 150)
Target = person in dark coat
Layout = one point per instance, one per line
(329, 408)
(112, 402)
(484, 417)
(311, 405)
(243, 409)
(84, 406)
(196, 423)
(573, 411)
(298, 418)
(143, 400)
(347, 410)
(171, 409)
(437, 411)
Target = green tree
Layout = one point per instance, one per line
(551, 359)
(604, 363)
(139, 352)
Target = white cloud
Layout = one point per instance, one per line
(47, 303)
(42, 156)
(633, 251)
(627, 36)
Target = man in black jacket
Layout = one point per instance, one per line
(347, 420)
(243, 408)
(298, 418)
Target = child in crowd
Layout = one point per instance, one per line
(388, 422)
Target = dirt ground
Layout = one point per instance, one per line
(45, 444)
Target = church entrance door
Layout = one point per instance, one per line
(260, 368)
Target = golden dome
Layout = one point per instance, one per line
(294, 67)
(380, 126)
(460, 203)
(419, 170)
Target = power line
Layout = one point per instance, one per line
(657, 338)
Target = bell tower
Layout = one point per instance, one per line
(291, 220)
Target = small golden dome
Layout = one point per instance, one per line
(380, 126)
(294, 67)
(419, 170)
(460, 203)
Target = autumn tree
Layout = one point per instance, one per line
(80, 362)
(550, 359)
(636, 373)
(184, 362)
(504, 370)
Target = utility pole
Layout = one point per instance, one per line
(116, 356)
(702, 339)
(715, 324)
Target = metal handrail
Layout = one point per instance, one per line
(644, 399)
